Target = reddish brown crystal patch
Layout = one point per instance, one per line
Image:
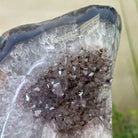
(3, 77)
(68, 93)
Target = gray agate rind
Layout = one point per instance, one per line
(21, 33)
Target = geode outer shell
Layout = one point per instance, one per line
(56, 76)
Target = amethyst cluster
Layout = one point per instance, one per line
(56, 76)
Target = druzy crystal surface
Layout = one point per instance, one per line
(56, 76)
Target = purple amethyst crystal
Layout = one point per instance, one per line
(56, 76)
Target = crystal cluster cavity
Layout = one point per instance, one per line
(56, 76)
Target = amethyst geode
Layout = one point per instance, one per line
(56, 76)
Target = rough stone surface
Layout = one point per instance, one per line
(56, 76)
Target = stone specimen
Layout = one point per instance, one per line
(56, 76)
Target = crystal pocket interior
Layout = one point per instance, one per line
(59, 74)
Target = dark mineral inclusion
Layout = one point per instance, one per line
(58, 75)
